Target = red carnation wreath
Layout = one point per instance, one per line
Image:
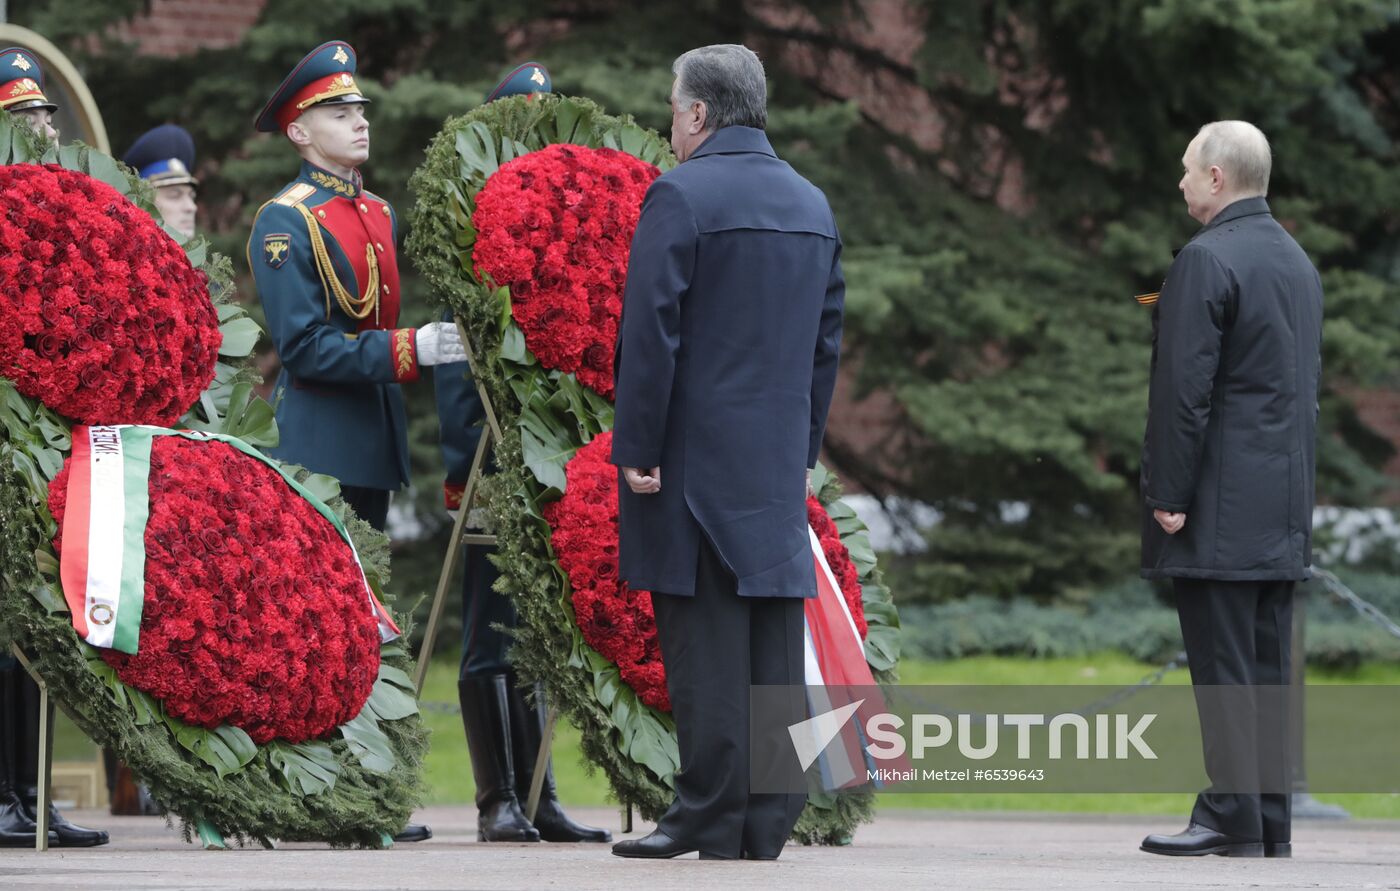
(255, 611)
(102, 317)
(839, 559)
(617, 620)
(555, 226)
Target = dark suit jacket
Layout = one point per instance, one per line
(726, 360)
(1232, 413)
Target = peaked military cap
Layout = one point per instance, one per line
(22, 81)
(326, 75)
(532, 77)
(163, 156)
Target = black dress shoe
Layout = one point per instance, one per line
(1197, 841)
(17, 830)
(556, 826)
(414, 832)
(657, 846)
(1278, 849)
(69, 835)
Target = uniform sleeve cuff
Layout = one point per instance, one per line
(403, 353)
(452, 494)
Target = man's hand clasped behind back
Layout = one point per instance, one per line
(643, 482)
(1171, 523)
(648, 482)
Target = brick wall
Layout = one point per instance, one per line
(180, 27)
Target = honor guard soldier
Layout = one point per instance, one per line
(504, 729)
(164, 157)
(22, 94)
(322, 253)
(22, 90)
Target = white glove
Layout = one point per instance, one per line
(439, 343)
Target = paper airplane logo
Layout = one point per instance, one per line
(812, 736)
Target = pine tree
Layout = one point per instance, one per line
(1003, 172)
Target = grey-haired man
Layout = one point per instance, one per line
(731, 328)
(1227, 480)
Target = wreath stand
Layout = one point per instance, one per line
(460, 537)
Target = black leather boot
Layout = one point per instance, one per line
(26, 774)
(485, 703)
(17, 828)
(527, 723)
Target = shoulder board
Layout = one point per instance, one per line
(295, 195)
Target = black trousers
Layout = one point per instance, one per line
(370, 505)
(714, 646)
(1241, 633)
(484, 647)
(19, 728)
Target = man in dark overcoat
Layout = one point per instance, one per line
(731, 328)
(1227, 479)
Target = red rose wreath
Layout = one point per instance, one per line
(524, 221)
(555, 226)
(255, 611)
(102, 317)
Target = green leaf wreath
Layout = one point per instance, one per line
(357, 787)
(546, 416)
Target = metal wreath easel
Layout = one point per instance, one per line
(460, 537)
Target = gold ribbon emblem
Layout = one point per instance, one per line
(276, 248)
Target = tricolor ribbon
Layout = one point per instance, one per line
(103, 565)
(837, 674)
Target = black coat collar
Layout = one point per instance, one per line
(1245, 207)
(735, 140)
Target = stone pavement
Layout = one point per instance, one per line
(902, 849)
